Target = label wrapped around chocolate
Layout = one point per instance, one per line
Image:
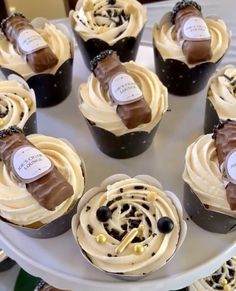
(29, 41)
(195, 29)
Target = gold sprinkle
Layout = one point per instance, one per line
(88, 5)
(152, 196)
(223, 282)
(127, 239)
(101, 29)
(140, 229)
(138, 249)
(227, 288)
(101, 238)
(1, 122)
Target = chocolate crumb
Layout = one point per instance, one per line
(90, 229)
(88, 208)
(121, 190)
(153, 254)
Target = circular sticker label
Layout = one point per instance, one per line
(230, 166)
(29, 41)
(195, 28)
(29, 164)
(124, 90)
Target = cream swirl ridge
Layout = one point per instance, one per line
(96, 105)
(18, 206)
(109, 20)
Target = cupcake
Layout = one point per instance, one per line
(100, 25)
(18, 105)
(123, 117)
(223, 279)
(209, 194)
(43, 286)
(221, 101)
(188, 48)
(5, 262)
(129, 227)
(41, 54)
(41, 181)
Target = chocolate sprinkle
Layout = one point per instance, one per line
(145, 206)
(88, 208)
(109, 255)
(153, 254)
(148, 221)
(138, 187)
(121, 190)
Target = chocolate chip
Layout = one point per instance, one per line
(124, 226)
(125, 207)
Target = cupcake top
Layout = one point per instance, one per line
(202, 173)
(3, 256)
(109, 20)
(223, 279)
(222, 92)
(97, 106)
(56, 40)
(18, 206)
(17, 104)
(129, 226)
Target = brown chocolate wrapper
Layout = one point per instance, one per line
(211, 118)
(122, 147)
(209, 220)
(179, 79)
(7, 264)
(126, 48)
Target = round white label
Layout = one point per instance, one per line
(195, 28)
(29, 164)
(230, 166)
(124, 90)
(29, 41)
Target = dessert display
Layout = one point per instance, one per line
(41, 54)
(209, 194)
(108, 25)
(129, 227)
(221, 101)
(188, 47)
(123, 105)
(43, 286)
(41, 182)
(5, 262)
(223, 279)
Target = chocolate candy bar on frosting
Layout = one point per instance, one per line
(30, 166)
(225, 142)
(192, 31)
(29, 42)
(113, 76)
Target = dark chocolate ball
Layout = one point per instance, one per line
(103, 213)
(165, 224)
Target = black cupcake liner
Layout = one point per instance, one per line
(50, 89)
(124, 146)
(7, 264)
(126, 48)
(179, 79)
(211, 117)
(30, 126)
(209, 220)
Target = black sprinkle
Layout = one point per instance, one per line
(109, 255)
(138, 187)
(125, 207)
(118, 198)
(110, 203)
(113, 209)
(154, 234)
(144, 199)
(21, 115)
(222, 98)
(168, 110)
(124, 226)
(105, 224)
(148, 221)
(228, 78)
(90, 229)
(231, 272)
(216, 278)
(121, 190)
(153, 254)
(145, 206)
(88, 208)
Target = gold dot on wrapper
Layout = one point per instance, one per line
(227, 288)
(151, 196)
(88, 6)
(138, 249)
(223, 282)
(101, 238)
(1, 122)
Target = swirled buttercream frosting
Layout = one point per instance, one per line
(17, 104)
(56, 40)
(170, 48)
(131, 227)
(223, 279)
(96, 105)
(202, 173)
(19, 207)
(222, 92)
(109, 20)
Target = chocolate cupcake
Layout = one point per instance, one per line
(17, 105)
(223, 279)
(43, 286)
(221, 101)
(129, 227)
(126, 127)
(113, 24)
(5, 262)
(188, 48)
(42, 179)
(45, 62)
(209, 196)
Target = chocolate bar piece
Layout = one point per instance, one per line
(192, 31)
(50, 189)
(225, 142)
(29, 43)
(113, 76)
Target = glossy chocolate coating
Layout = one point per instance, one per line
(194, 51)
(51, 189)
(39, 60)
(225, 142)
(132, 114)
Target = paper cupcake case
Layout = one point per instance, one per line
(209, 220)
(6, 263)
(211, 117)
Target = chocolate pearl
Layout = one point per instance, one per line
(103, 213)
(165, 224)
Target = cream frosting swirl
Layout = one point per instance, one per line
(222, 92)
(56, 40)
(170, 48)
(17, 104)
(203, 175)
(109, 20)
(96, 105)
(224, 276)
(18, 206)
(134, 204)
